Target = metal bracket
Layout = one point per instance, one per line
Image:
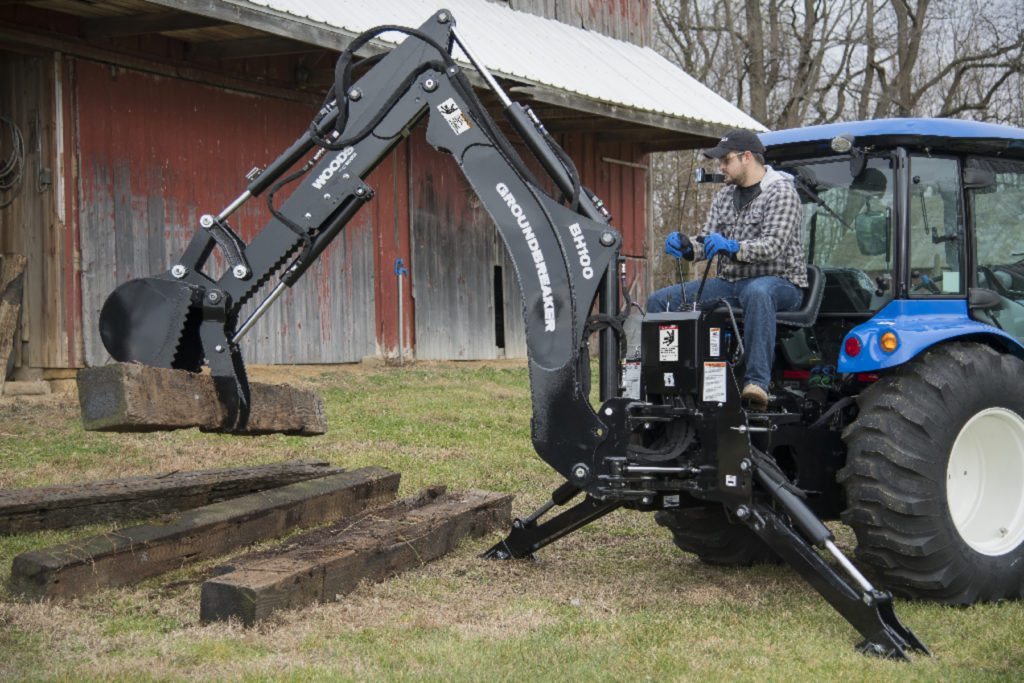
(229, 243)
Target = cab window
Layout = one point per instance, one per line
(935, 240)
(997, 226)
(847, 231)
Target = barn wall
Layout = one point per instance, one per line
(389, 216)
(456, 246)
(627, 20)
(156, 153)
(144, 155)
(617, 173)
(33, 222)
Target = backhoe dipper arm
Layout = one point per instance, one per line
(562, 255)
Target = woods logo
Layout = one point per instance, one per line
(339, 162)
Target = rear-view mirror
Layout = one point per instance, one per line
(983, 299)
(980, 179)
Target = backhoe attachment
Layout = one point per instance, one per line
(566, 258)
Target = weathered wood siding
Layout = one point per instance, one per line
(456, 246)
(390, 218)
(155, 154)
(617, 172)
(627, 20)
(34, 223)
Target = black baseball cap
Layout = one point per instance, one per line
(735, 141)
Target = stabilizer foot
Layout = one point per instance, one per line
(868, 610)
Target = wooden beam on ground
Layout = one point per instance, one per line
(126, 556)
(129, 397)
(327, 563)
(12, 271)
(118, 500)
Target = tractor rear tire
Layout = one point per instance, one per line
(934, 476)
(708, 533)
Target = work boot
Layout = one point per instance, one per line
(755, 397)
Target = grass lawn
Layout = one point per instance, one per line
(613, 601)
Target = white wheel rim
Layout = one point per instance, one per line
(985, 481)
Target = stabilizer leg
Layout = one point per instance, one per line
(527, 536)
(868, 610)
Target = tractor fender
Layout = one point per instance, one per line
(918, 325)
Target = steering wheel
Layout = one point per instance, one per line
(926, 283)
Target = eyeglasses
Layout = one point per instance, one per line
(727, 159)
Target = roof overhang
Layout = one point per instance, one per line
(576, 79)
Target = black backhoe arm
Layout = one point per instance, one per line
(562, 255)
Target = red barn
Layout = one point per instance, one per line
(128, 119)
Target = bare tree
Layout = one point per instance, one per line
(798, 62)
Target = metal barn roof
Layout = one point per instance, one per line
(554, 62)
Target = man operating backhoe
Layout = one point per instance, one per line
(754, 223)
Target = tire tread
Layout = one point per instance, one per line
(895, 475)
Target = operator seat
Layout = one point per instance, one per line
(814, 292)
(804, 316)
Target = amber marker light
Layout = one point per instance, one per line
(888, 342)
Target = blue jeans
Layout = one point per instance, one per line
(760, 298)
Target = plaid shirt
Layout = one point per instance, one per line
(768, 230)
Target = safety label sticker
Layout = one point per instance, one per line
(670, 379)
(714, 382)
(668, 343)
(454, 116)
(731, 480)
(715, 341)
(631, 380)
(670, 501)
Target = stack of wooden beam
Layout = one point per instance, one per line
(212, 513)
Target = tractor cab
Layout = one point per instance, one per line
(917, 226)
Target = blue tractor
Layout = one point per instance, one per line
(903, 374)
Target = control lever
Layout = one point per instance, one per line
(704, 278)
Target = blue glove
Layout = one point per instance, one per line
(715, 243)
(678, 246)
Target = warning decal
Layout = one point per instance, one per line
(668, 343)
(714, 382)
(715, 341)
(454, 116)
